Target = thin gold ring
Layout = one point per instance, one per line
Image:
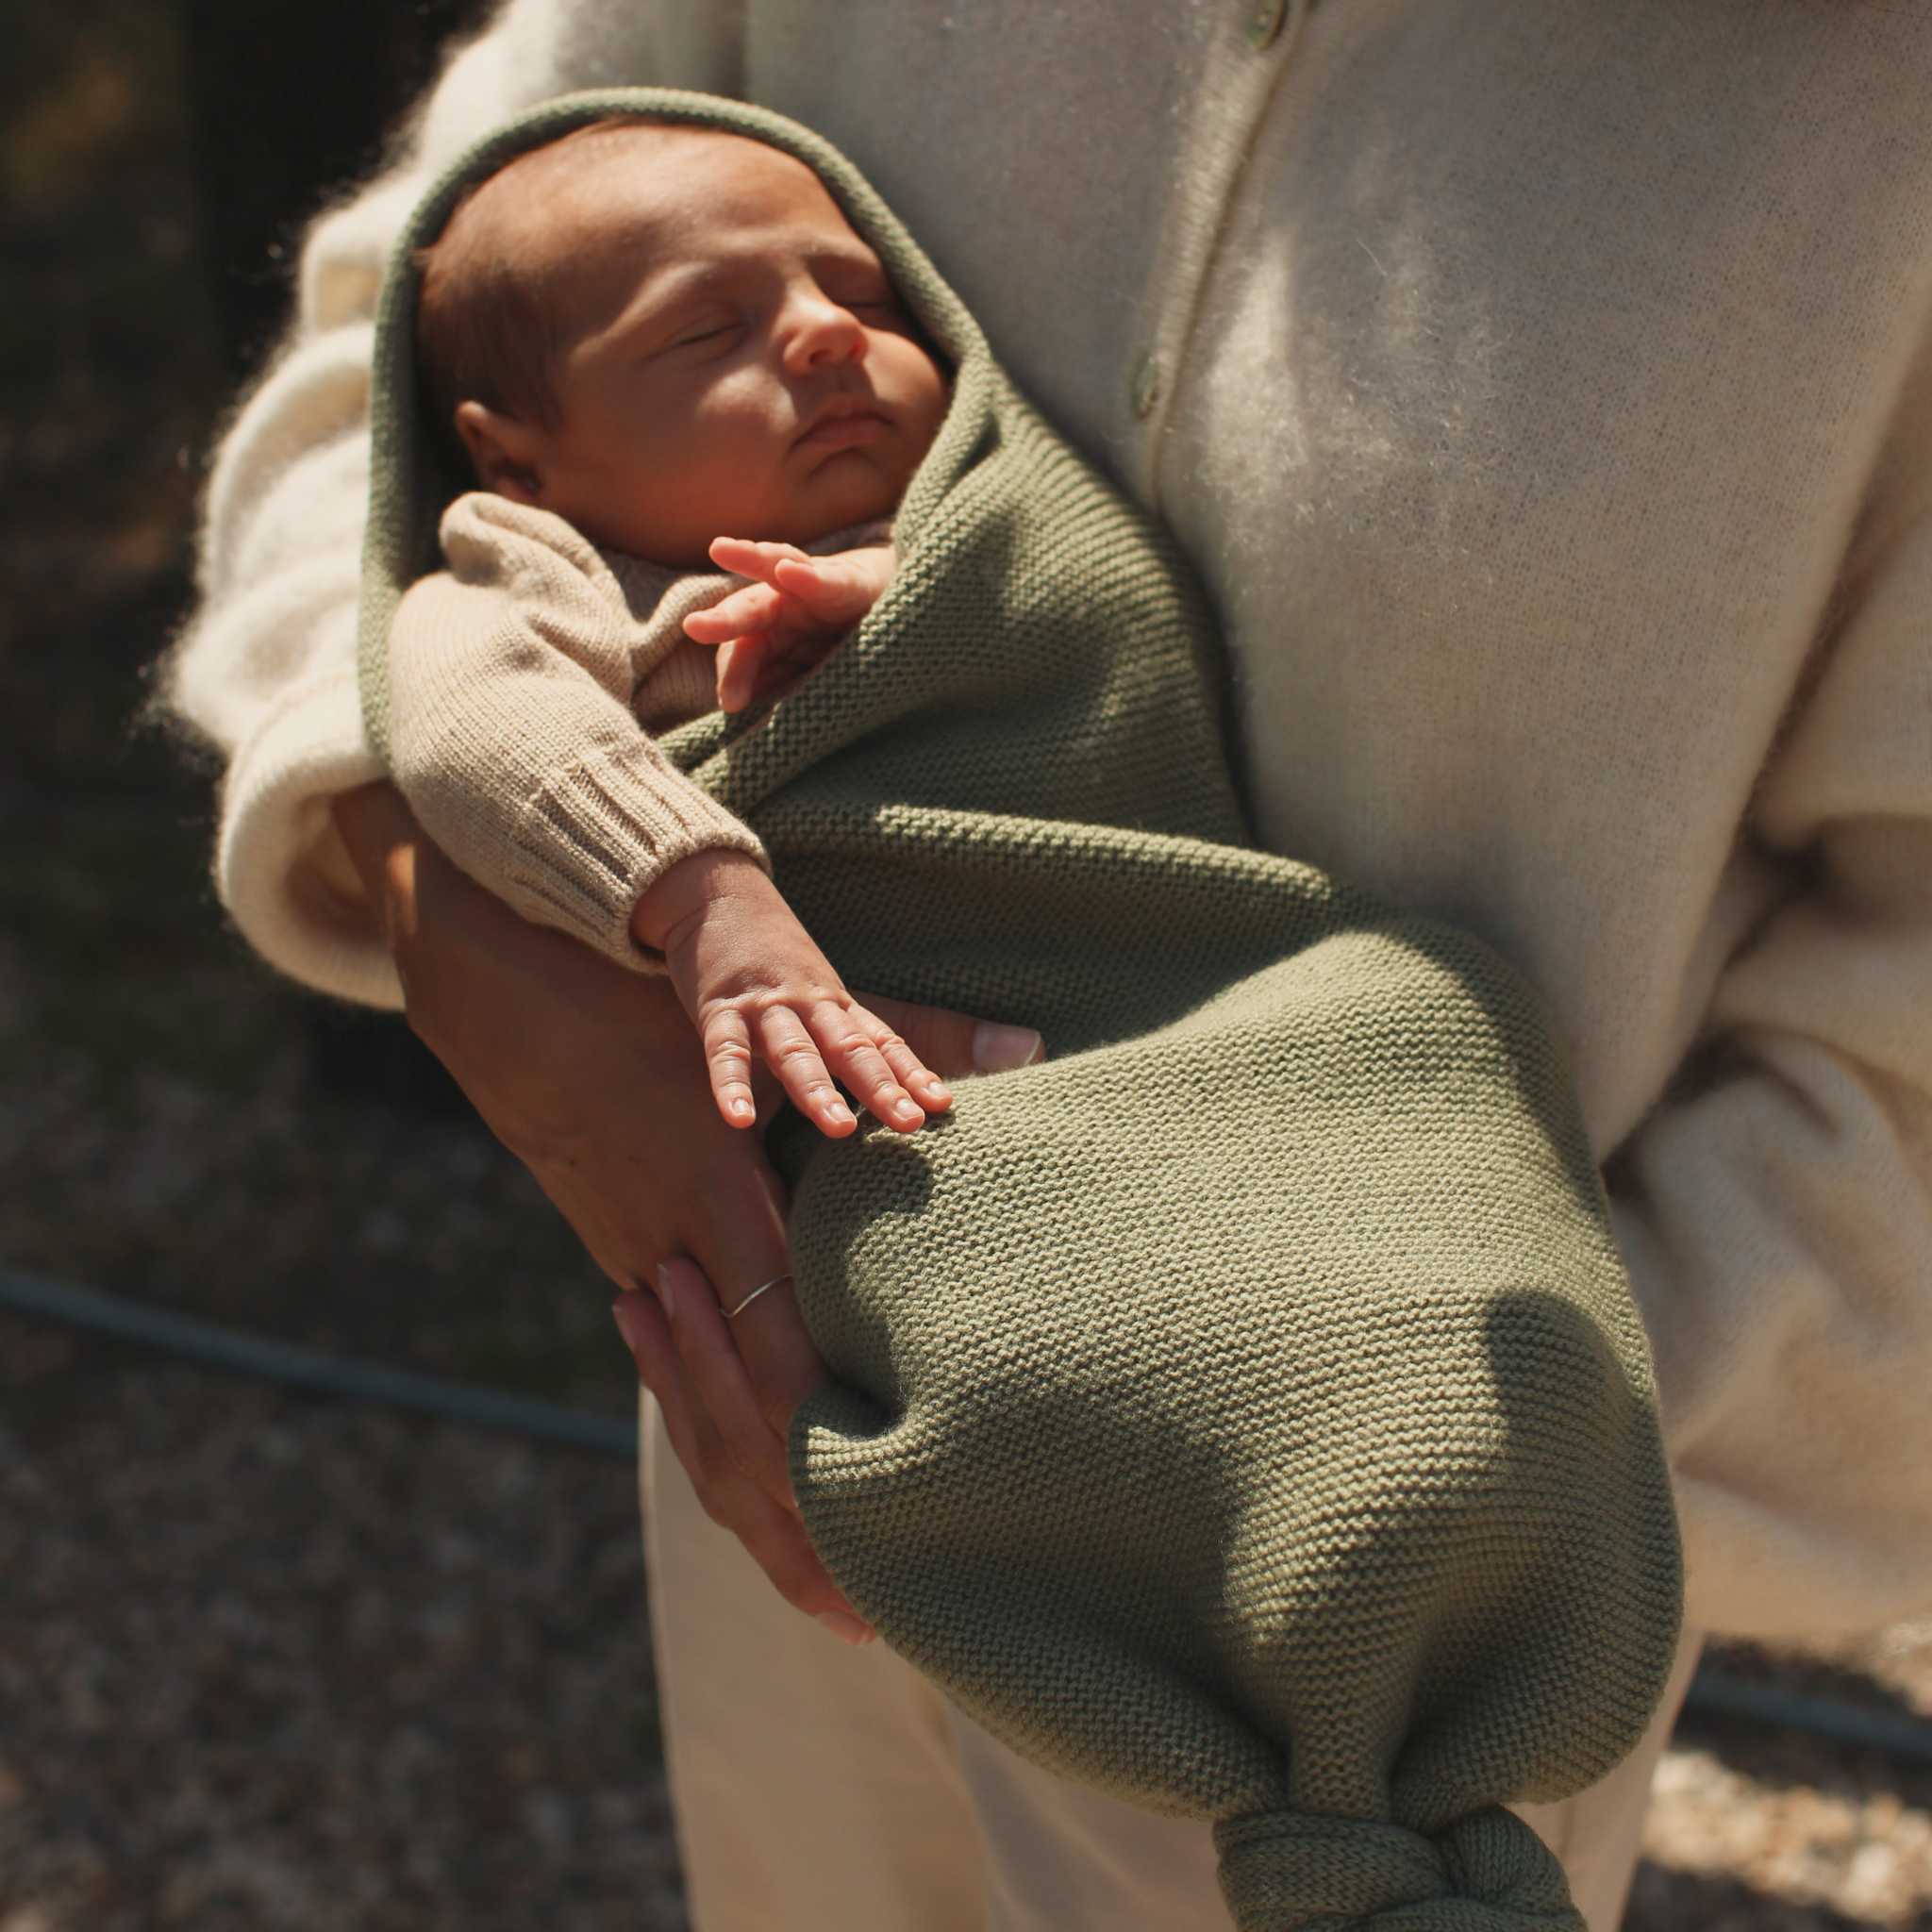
(754, 1294)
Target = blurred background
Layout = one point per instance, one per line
(270, 1658)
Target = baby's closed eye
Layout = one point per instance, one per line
(716, 332)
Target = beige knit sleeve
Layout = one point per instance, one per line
(1776, 1210)
(511, 730)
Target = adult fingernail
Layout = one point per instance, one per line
(846, 1629)
(1000, 1049)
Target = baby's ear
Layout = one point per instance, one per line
(503, 452)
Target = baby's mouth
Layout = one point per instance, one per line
(844, 423)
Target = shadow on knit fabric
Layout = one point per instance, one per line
(1261, 1510)
(1245, 1410)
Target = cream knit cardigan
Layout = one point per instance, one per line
(1546, 392)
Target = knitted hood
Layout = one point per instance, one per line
(411, 482)
(1245, 1410)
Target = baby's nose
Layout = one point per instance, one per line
(827, 333)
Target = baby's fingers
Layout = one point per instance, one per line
(791, 1053)
(740, 670)
(727, 1056)
(832, 590)
(919, 1079)
(850, 1047)
(755, 608)
(745, 557)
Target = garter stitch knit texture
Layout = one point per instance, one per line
(1244, 1410)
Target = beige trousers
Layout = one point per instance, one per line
(823, 1789)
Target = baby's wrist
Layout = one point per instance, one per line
(690, 889)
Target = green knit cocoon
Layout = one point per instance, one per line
(1245, 1410)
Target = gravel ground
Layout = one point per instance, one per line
(266, 1661)
(1753, 1829)
(271, 1662)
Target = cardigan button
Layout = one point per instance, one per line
(1264, 22)
(1146, 388)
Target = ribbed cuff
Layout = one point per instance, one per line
(601, 832)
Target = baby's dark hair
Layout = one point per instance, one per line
(487, 329)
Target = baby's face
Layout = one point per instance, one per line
(732, 360)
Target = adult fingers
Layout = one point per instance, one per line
(746, 1441)
(957, 1044)
(770, 1532)
(745, 1377)
(740, 1245)
(776, 1543)
(646, 1333)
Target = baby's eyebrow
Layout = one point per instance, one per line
(857, 256)
(663, 287)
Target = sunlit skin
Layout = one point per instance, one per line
(733, 359)
(733, 377)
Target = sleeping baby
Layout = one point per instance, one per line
(645, 339)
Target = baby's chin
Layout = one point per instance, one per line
(842, 496)
(839, 496)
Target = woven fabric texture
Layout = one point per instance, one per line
(1245, 1410)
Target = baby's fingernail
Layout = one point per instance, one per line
(846, 1629)
(1000, 1049)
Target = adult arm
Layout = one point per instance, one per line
(1776, 1208)
(600, 1088)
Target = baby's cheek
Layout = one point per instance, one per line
(736, 454)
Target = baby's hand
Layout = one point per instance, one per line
(754, 984)
(792, 612)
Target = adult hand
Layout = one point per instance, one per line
(595, 1080)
